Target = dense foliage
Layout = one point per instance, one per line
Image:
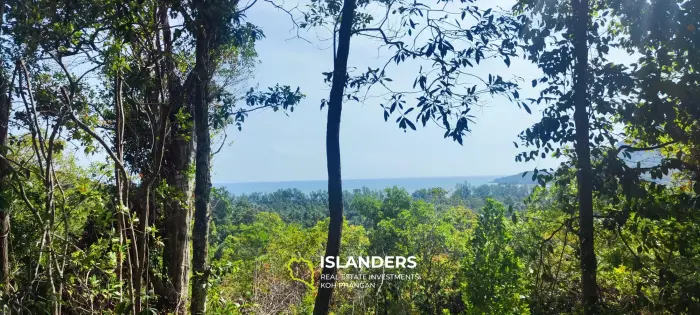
(256, 235)
(490, 258)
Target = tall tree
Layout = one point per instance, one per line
(177, 164)
(583, 157)
(335, 185)
(206, 28)
(5, 108)
(569, 43)
(439, 97)
(139, 111)
(212, 20)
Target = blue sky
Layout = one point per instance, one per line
(274, 147)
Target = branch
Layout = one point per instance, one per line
(384, 37)
(89, 131)
(624, 241)
(21, 166)
(222, 144)
(561, 257)
(565, 223)
(26, 200)
(34, 124)
(69, 76)
(247, 7)
(630, 148)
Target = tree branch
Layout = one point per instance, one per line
(630, 148)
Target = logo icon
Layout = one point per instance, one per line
(299, 264)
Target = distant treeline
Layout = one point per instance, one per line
(295, 206)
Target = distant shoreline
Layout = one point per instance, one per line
(411, 184)
(360, 179)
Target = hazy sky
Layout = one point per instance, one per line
(274, 147)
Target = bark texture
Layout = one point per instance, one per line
(177, 221)
(177, 164)
(5, 106)
(583, 162)
(4, 170)
(335, 186)
(202, 188)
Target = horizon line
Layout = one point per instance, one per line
(379, 178)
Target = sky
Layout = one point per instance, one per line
(275, 147)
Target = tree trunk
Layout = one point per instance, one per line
(177, 164)
(143, 202)
(583, 161)
(335, 186)
(5, 250)
(202, 188)
(178, 216)
(5, 202)
(5, 106)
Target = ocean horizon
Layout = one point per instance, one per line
(411, 184)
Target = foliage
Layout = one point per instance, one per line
(492, 275)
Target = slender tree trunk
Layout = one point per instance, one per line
(5, 105)
(141, 206)
(144, 204)
(335, 186)
(5, 250)
(202, 188)
(585, 172)
(121, 184)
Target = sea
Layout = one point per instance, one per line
(410, 184)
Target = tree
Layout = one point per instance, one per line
(216, 27)
(5, 109)
(335, 186)
(437, 91)
(230, 59)
(136, 108)
(492, 283)
(583, 157)
(177, 164)
(659, 120)
(559, 39)
(210, 19)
